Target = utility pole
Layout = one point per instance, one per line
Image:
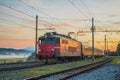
(105, 45)
(36, 38)
(92, 29)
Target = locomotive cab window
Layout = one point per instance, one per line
(57, 40)
(39, 41)
(50, 41)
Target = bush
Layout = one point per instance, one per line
(18, 61)
(31, 57)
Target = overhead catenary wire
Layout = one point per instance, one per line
(48, 16)
(16, 23)
(82, 8)
(26, 14)
(29, 15)
(46, 22)
(16, 10)
(7, 22)
(21, 24)
(87, 8)
(16, 17)
(23, 19)
(77, 8)
(40, 12)
(90, 13)
(21, 12)
(27, 4)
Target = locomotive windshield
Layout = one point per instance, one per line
(50, 41)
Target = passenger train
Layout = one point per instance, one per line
(58, 47)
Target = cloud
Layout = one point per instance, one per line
(34, 2)
(113, 15)
(65, 26)
(16, 43)
(116, 23)
(99, 28)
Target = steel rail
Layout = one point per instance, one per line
(63, 71)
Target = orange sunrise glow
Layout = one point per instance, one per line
(17, 23)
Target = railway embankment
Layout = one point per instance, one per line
(98, 74)
(26, 73)
(109, 71)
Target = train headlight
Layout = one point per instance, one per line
(40, 50)
(52, 50)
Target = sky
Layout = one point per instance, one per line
(17, 21)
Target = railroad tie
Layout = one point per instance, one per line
(117, 77)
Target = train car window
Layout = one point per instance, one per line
(64, 42)
(72, 49)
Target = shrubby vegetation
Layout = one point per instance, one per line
(31, 57)
(19, 61)
(118, 49)
(114, 53)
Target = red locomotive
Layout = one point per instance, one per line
(58, 47)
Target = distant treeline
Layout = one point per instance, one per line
(8, 51)
(118, 49)
(115, 53)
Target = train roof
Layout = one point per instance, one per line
(89, 45)
(54, 34)
(86, 44)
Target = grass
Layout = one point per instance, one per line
(52, 69)
(12, 60)
(116, 60)
(34, 72)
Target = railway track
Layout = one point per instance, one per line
(24, 65)
(84, 69)
(68, 73)
(18, 66)
(117, 77)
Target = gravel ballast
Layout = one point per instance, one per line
(107, 72)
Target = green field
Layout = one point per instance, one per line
(12, 60)
(116, 60)
(51, 69)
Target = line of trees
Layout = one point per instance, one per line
(118, 49)
(114, 53)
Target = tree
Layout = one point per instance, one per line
(118, 49)
(31, 57)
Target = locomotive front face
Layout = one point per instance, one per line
(48, 46)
